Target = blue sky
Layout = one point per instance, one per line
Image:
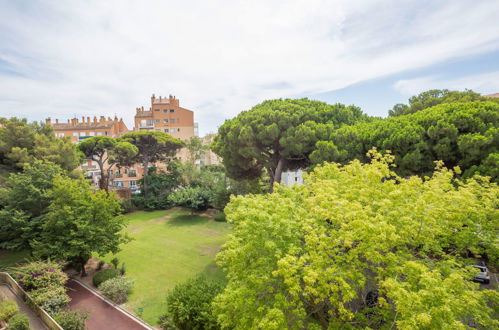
(64, 58)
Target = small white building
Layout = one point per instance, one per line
(290, 178)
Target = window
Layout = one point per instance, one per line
(75, 134)
(60, 134)
(173, 130)
(150, 122)
(118, 183)
(165, 110)
(172, 110)
(83, 134)
(133, 184)
(99, 133)
(157, 120)
(143, 122)
(178, 129)
(92, 133)
(166, 121)
(132, 173)
(172, 121)
(157, 109)
(107, 133)
(166, 130)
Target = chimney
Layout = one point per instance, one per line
(152, 98)
(48, 121)
(109, 119)
(57, 121)
(74, 121)
(102, 119)
(88, 120)
(83, 120)
(95, 119)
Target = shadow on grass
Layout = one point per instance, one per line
(187, 220)
(213, 272)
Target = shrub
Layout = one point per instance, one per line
(117, 289)
(166, 323)
(100, 264)
(104, 275)
(127, 205)
(220, 217)
(115, 261)
(122, 269)
(189, 304)
(19, 322)
(71, 320)
(8, 308)
(40, 274)
(51, 299)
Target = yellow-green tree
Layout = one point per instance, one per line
(357, 246)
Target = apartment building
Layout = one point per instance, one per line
(80, 130)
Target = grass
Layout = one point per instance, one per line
(11, 258)
(168, 248)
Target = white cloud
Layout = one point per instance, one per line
(486, 83)
(219, 57)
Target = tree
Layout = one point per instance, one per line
(277, 135)
(25, 203)
(459, 134)
(153, 146)
(196, 148)
(195, 198)
(21, 143)
(106, 152)
(433, 97)
(358, 246)
(78, 223)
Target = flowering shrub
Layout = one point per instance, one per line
(40, 274)
(8, 308)
(71, 320)
(51, 299)
(117, 289)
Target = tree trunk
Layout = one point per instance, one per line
(103, 182)
(83, 272)
(146, 171)
(277, 173)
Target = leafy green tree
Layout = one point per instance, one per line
(106, 152)
(459, 134)
(277, 135)
(153, 146)
(25, 203)
(21, 143)
(196, 148)
(357, 246)
(189, 304)
(433, 97)
(79, 222)
(195, 198)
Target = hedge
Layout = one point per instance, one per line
(104, 275)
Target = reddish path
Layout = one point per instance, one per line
(101, 314)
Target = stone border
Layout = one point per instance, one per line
(118, 307)
(16, 288)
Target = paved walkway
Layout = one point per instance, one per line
(102, 315)
(34, 321)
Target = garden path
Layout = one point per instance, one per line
(34, 321)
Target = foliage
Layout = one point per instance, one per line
(153, 146)
(71, 320)
(459, 134)
(79, 222)
(195, 198)
(104, 275)
(220, 217)
(115, 261)
(50, 298)
(166, 323)
(433, 97)
(21, 143)
(8, 308)
(117, 289)
(160, 184)
(308, 256)
(19, 322)
(277, 135)
(106, 152)
(196, 149)
(189, 304)
(39, 275)
(25, 203)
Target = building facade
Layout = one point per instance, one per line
(80, 130)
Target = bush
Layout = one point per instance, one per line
(166, 323)
(19, 322)
(115, 261)
(117, 289)
(40, 274)
(127, 205)
(104, 275)
(8, 308)
(122, 269)
(100, 264)
(189, 304)
(71, 320)
(220, 217)
(51, 299)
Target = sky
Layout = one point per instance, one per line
(64, 58)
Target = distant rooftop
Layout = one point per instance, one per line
(74, 123)
(492, 95)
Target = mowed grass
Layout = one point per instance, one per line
(168, 247)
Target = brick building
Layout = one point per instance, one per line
(80, 130)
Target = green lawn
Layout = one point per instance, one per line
(11, 258)
(168, 248)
